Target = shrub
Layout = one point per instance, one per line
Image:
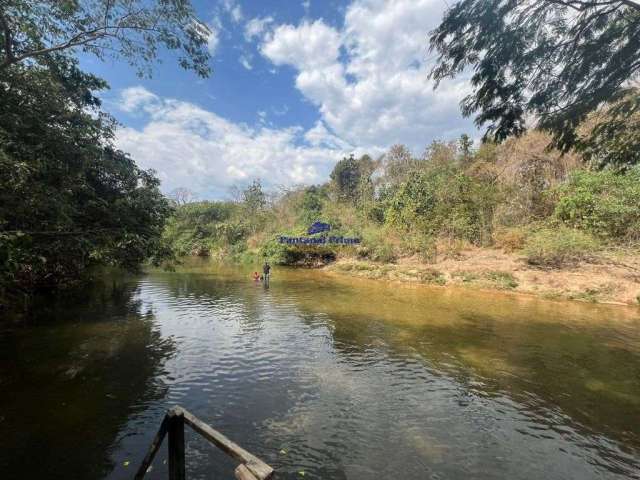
(444, 202)
(559, 246)
(284, 254)
(604, 203)
(510, 239)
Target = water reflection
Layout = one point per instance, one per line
(71, 378)
(334, 378)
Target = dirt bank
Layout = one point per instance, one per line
(612, 278)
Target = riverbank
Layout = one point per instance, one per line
(612, 277)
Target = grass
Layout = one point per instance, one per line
(502, 280)
(556, 247)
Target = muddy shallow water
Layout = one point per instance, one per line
(322, 376)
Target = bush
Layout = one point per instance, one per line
(558, 246)
(604, 203)
(510, 239)
(444, 202)
(284, 254)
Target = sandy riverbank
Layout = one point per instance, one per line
(612, 278)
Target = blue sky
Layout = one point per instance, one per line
(296, 85)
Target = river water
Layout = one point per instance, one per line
(321, 376)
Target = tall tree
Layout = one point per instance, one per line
(68, 199)
(555, 61)
(31, 30)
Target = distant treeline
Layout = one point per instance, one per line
(519, 195)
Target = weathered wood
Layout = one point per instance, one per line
(176, 445)
(257, 467)
(243, 473)
(153, 448)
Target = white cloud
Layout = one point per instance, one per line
(256, 27)
(211, 34)
(234, 10)
(309, 47)
(213, 39)
(136, 97)
(245, 61)
(190, 146)
(369, 79)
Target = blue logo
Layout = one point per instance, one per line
(318, 227)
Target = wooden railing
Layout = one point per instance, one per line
(250, 468)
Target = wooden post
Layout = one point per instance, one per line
(176, 445)
(153, 448)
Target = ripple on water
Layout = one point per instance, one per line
(352, 381)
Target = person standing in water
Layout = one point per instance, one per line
(266, 268)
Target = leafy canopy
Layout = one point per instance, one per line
(68, 200)
(554, 60)
(130, 29)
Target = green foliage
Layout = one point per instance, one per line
(604, 203)
(68, 200)
(612, 136)
(284, 254)
(133, 30)
(556, 60)
(434, 207)
(312, 204)
(444, 201)
(348, 175)
(375, 247)
(554, 247)
(200, 227)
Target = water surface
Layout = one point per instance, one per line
(322, 376)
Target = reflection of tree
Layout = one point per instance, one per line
(580, 359)
(72, 379)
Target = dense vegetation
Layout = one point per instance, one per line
(520, 195)
(554, 62)
(68, 199)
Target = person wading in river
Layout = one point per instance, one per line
(266, 268)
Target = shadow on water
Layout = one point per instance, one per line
(72, 373)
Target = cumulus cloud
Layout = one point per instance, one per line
(369, 79)
(190, 146)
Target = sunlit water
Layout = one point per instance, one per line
(322, 377)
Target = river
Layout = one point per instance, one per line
(321, 376)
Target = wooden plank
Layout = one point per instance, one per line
(243, 473)
(176, 446)
(257, 467)
(153, 448)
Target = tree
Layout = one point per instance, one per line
(31, 30)
(398, 164)
(68, 199)
(465, 145)
(349, 176)
(253, 197)
(182, 196)
(553, 60)
(610, 137)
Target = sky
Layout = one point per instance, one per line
(296, 86)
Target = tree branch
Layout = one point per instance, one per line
(8, 41)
